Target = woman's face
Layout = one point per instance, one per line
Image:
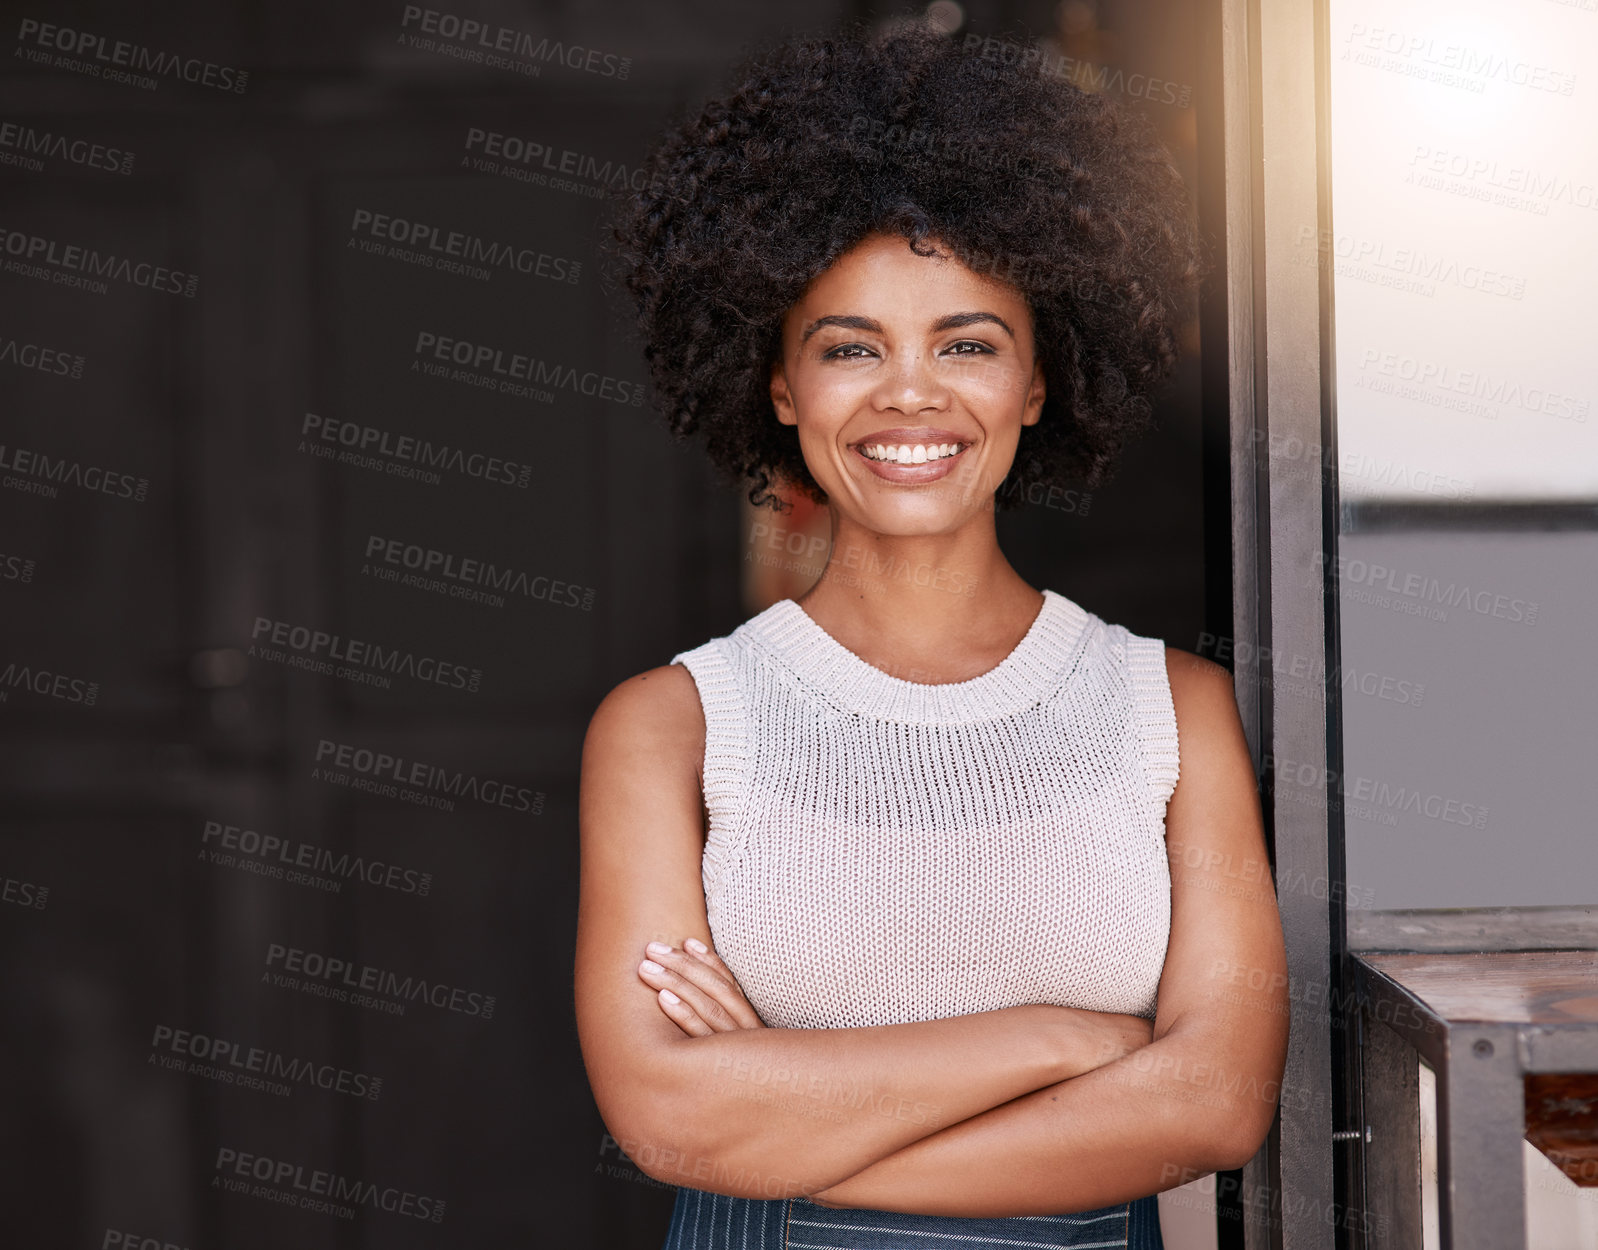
(916, 356)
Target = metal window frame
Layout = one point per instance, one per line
(1269, 62)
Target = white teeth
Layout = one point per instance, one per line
(910, 453)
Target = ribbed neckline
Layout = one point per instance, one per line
(1022, 679)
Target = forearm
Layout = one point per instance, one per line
(776, 1112)
(1130, 1128)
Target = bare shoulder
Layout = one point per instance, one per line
(657, 709)
(1201, 690)
(1214, 749)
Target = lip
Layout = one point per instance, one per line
(912, 434)
(911, 474)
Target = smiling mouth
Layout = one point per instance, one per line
(910, 453)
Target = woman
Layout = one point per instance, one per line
(969, 959)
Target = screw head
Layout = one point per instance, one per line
(1482, 1048)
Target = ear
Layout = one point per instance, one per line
(781, 399)
(1036, 393)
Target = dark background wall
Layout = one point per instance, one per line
(172, 753)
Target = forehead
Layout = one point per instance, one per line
(882, 271)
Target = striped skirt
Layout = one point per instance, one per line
(706, 1221)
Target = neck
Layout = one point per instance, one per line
(933, 603)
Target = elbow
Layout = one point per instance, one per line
(658, 1136)
(1233, 1138)
(1234, 1151)
(679, 1141)
(660, 1148)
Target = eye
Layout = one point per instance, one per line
(846, 351)
(978, 349)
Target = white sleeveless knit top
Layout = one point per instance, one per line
(883, 851)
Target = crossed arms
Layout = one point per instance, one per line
(1030, 1110)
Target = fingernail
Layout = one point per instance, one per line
(649, 965)
(695, 945)
(658, 948)
(668, 996)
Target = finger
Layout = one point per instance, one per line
(702, 990)
(666, 971)
(738, 1005)
(722, 989)
(682, 1015)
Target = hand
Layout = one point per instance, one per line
(1117, 1036)
(696, 990)
(1084, 1039)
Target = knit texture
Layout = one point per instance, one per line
(883, 851)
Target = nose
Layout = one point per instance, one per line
(909, 383)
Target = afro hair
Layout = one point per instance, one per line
(819, 141)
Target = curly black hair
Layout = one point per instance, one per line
(1065, 195)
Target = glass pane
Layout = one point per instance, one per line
(1430, 1236)
(1464, 251)
(1559, 1214)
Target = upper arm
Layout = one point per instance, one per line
(642, 823)
(1225, 975)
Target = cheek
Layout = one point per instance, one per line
(824, 404)
(995, 388)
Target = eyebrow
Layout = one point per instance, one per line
(953, 321)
